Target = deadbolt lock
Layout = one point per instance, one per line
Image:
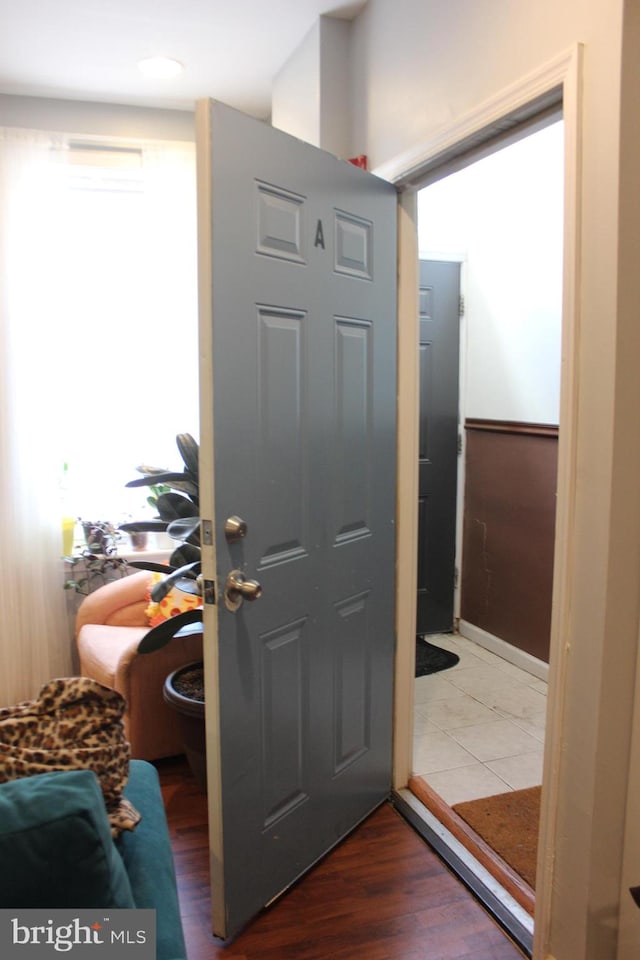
(235, 528)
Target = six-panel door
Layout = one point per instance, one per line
(298, 304)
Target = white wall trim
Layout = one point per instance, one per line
(405, 168)
(461, 476)
(519, 658)
(564, 558)
(207, 506)
(408, 489)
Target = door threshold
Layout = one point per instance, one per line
(506, 876)
(517, 921)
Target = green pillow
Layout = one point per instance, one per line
(56, 848)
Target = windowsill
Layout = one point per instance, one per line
(147, 555)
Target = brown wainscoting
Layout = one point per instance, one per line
(508, 531)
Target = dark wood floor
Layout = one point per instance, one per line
(382, 894)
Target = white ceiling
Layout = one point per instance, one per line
(89, 49)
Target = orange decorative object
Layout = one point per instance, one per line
(176, 601)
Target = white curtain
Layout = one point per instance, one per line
(34, 633)
(130, 277)
(98, 365)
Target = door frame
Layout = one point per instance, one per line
(561, 77)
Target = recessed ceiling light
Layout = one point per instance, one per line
(160, 68)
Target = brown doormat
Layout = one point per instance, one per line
(509, 823)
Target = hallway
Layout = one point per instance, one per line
(478, 726)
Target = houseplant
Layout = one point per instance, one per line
(175, 496)
(97, 562)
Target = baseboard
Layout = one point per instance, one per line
(519, 658)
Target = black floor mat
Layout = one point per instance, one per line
(431, 659)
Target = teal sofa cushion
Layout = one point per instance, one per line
(56, 848)
(148, 859)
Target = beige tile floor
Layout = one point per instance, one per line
(478, 726)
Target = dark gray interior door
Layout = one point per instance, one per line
(439, 377)
(298, 293)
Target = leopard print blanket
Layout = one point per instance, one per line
(74, 723)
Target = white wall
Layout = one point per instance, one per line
(311, 93)
(97, 119)
(418, 66)
(295, 96)
(503, 217)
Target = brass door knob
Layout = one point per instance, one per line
(238, 588)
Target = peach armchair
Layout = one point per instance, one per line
(110, 623)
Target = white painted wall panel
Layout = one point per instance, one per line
(503, 217)
(295, 100)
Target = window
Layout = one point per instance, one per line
(98, 359)
(125, 306)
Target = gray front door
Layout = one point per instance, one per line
(439, 305)
(298, 304)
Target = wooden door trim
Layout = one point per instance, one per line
(207, 507)
(407, 486)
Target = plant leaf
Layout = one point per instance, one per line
(189, 451)
(171, 506)
(141, 526)
(161, 635)
(188, 486)
(190, 629)
(148, 471)
(188, 585)
(160, 590)
(185, 553)
(184, 528)
(170, 478)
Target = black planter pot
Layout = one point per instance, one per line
(190, 715)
